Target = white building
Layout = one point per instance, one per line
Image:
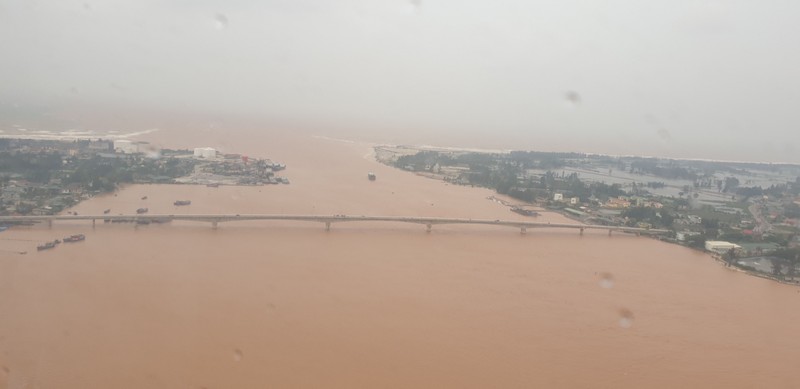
(558, 197)
(205, 152)
(721, 247)
(126, 146)
(574, 200)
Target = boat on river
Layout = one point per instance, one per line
(75, 238)
(46, 246)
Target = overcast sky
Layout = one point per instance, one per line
(702, 79)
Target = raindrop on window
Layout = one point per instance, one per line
(573, 98)
(220, 21)
(625, 318)
(664, 134)
(606, 280)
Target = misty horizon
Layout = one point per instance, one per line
(696, 80)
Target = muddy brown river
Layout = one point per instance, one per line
(289, 305)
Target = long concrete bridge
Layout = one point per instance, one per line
(428, 222)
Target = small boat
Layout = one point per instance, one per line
(107, 211)
(182, 202)
(141, 210)
(144, 197)
(46, 246)
(524, 212)
(212, 185)
(75, 238)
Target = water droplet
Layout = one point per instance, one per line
(237, 355)
(220, 21)
(664, 134)
(573, 97)
(625, 318)
(607, 280)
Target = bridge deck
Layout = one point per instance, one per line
(429, 221)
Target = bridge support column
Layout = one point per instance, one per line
(49, 223)
(429, 227)
(94, 222)
(327, 226)
(609, 232)
(581, 231)
(523, 230)
(214, 225)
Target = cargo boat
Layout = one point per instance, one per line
(524, 212)
(182, 202)
(75, 238)
(46, 246)
(141, 210)
(371, 176)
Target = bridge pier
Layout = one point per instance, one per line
(609, 232)
(214, 224)
(429, 227)
(94, 222)
(523, 230)
(581, 230)
(50, 223)
(327, 226)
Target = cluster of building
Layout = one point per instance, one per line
(44, 177)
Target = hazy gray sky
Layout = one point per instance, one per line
(712, 79)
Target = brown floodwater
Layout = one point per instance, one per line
(277, 304)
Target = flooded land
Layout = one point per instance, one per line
(287, 304)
